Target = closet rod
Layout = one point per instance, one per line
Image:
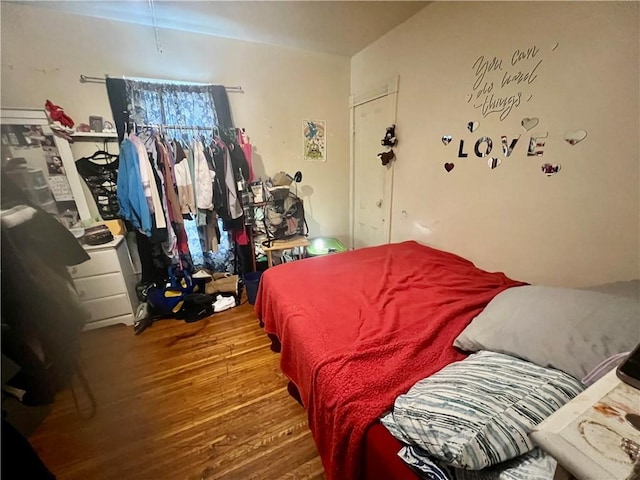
(88, 79)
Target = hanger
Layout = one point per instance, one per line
(185, 138)
(102, 155)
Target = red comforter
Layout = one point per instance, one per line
(360, 328)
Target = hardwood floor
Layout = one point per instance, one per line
(203, 400)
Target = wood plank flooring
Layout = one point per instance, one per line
(203, 400)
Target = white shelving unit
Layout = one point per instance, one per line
(95, 136)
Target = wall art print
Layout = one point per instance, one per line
(314, 140)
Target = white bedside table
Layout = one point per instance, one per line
(585, 435)
(106, 284)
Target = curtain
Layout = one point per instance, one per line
(117, 93)
(167, 104)
(171, 104)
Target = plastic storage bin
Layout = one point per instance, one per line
(324, 246)
(252, 282)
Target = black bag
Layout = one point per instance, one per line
(97, 235)
(284, 219)
(196, 307)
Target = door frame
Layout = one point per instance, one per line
(389, 88)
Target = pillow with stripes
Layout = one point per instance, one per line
(479, 411)
(535, 465)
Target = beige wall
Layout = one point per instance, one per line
(578, 227)
(575, 228)
(44, 52)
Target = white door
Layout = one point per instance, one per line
(372, 182)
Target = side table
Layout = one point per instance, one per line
(586, 435)
(278, 245)
(106, 284)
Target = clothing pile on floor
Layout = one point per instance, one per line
(188, 297)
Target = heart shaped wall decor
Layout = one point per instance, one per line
(446, 139)
(448, 166)
(549, 169)
(529, 123)
(494, 162)
(574, 138)
(473, 126)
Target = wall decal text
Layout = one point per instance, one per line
(501, 85)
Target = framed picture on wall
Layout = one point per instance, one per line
(314, 140)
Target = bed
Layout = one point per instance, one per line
(358, 329)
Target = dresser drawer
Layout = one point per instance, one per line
(101, 262)
(108, 307)
(90, 288)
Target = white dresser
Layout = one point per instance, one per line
(106, 284)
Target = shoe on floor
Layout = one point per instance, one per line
(223, 303)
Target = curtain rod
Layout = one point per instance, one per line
(172, 127)
(88, 79)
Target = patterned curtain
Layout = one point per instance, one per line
(182, 105)
(171, 104)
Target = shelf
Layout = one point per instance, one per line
(94, 135)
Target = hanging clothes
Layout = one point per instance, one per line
(100, 173)
(247, 149)
(170, 245)
(149, 183)
(183, 182)
(233, 199)
(203, 178)
(131, 197)
(165, 162)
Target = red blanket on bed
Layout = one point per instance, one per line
(360, 328)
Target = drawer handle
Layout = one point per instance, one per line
(74, 270)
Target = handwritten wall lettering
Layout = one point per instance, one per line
(483, 67)
(524, 54)
(518, 78)
(502, 105)
(499, 87)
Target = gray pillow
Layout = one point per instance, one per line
(629, 288)
(569, 329)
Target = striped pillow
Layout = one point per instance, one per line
(535, 465)
(479, 411)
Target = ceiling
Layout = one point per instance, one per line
(335, 27)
